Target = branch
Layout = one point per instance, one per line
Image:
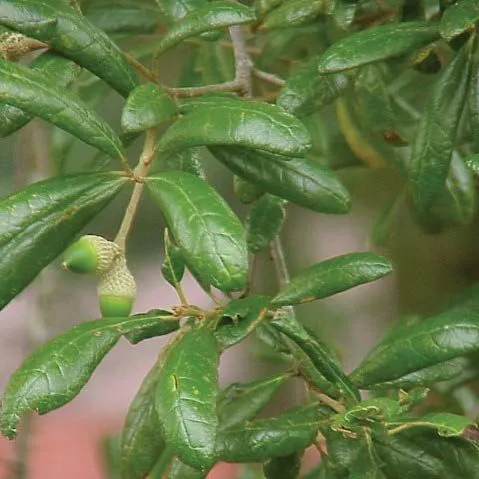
(140, 172)
(243, 64)
(268, 77)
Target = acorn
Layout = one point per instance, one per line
(117, 290)
(91, 254)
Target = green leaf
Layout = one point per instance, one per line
(423, 377)
(148, 106)
(436, 339)
(59, 69)
(286, 467)
(445, 423)
(67, 31)
(204, 18)
(458, 18)
(56, 372)
(333, 276)
(173, 266)
(294, 13)
(426, 456)
(123, 16)
(243, 316)
(374, 103)
(472, 162)
(320, 355)
(261, 439)
(187, 392)
(172, 10)
(188, 160)
(180, 470)
(303, 181)
(237, 122)
(246, 192)
(210, 236)
(434, 141)
(141, 443)
(241, 402)
(27, 90)
(37, 223)
(165, 323)
(264, 222)
(306, 92)
(306, 367)
(376, 44)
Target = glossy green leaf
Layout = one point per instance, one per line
(123, 16)
(237, 122)
(56, 372)
(210, 236)
(173, 266)
(188, 160)
(172, 10)
(306, 367)
(165, 323)
(294, 13)
(261, 439)
(264, 222)
(187, 392)
(110, 451)
(445, 423)
(246, 191)
(458, 205)
(426, 456)
(423, 377)
(303, 181)
(434, 141)
(333, 276)
(286, 467)
(472, 162)
(180, 470)
(242, 316)
(374, 103)
(458, 18)
(148, 106)
(67, 31)
(204, 18)
(376, 44)
(306, 92)
(59, 69)
(241, 402)
(320, 355)
(37, 223)
(433, 340)
(141, 442)
(27, 90)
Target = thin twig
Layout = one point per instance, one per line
(187, 92)
(243, 63)
(268, 77)
(140, 171)
(150, 75)
(279, 261)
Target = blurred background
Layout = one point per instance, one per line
(429, 269)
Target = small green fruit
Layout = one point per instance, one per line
(91, 254)
(117, 290)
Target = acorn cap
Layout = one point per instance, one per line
(91, 254)
(117, 290)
